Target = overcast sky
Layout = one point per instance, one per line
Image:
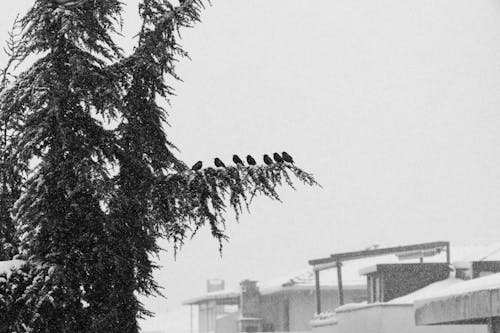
(393, 104)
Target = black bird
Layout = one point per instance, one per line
(197, 166)
(267, 160)
(237, 160)
(63, 2)
(277, 158)
(218, 163)
(287, 157)
(251, 160)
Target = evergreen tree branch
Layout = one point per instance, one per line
(184, 202)
(93, 207)
(10, 169)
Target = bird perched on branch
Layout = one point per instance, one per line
(237, 160)
(197, 166)
(277, 157)
(267, 160)
(251, 160)
(68, 2)
(287, 157)
(218, 163)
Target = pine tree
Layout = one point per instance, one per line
(9, 191)
(10, 170)
(97, 197)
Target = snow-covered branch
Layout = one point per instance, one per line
(186, 201)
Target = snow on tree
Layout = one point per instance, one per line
(10, 170)
(96, 198)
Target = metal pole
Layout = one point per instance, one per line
(448, 256)
(318, 292)
(191, 318)
(339, 282)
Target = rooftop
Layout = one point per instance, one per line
(468, 302)
(304, 280)
(485, 283)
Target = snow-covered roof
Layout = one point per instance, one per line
(231, 294)
(404, 300)
(489, 282)
(459, 254)
(351, 277)
(305, 280)
(407, 300)
(471, 301)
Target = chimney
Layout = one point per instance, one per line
(215, 285)
(250, 299)
(250, 320)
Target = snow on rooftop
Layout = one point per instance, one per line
(351, 276)
(404, 300)
(355, 306)
(426, 291)
(461, 253)
(328, 278)
(303, 277)
(489, 282)
(214, 295)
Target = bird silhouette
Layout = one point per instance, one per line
(237, 160)
(267, 160)
(218, 163)
(197, 166)
(287, 157)
(68, 3)
(251, 160)
(277, 158)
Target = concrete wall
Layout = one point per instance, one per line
(281, 312)
(302, 307)
(226, 323)
(330, 298)
(387, 319)
(206, 316)
(474, 306)
(293, 311)
(272, 312)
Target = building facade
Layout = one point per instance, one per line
(395, 285)
(284, 306)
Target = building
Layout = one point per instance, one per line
(471, 302)
(397, 277)
(284, 304)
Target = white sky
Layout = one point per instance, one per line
(393, 104)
